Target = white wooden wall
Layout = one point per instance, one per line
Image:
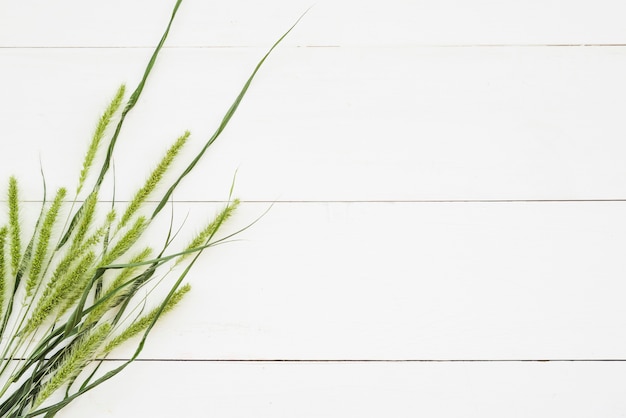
(449, 230)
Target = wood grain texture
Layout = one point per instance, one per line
(313, 390)
(338, 124)
(406, 281)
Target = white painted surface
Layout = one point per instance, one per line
(409, 281)
(344, 22)
(390, 109)
(313, 390)
(398, 123)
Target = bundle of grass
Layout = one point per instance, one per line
(66, 296)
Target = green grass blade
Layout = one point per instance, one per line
(129, 106)
(135, 96)
(229, 114)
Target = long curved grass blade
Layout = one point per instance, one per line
(129, 106)
(229, 114)
(135, 95)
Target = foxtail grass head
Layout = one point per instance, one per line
(98, 135)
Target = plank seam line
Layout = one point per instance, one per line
(618, 200)
(612, 360)
(215, 360)
(165, 47)
(519, 45)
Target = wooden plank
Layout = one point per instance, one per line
(335, 124)
(405, 281)
(481, 390)
(337, 22)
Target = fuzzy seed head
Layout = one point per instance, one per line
(103, 123)
(153, 180)
(74, 363)
(44, 241)
(210, 230)
(14, 225)
(144, 322)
